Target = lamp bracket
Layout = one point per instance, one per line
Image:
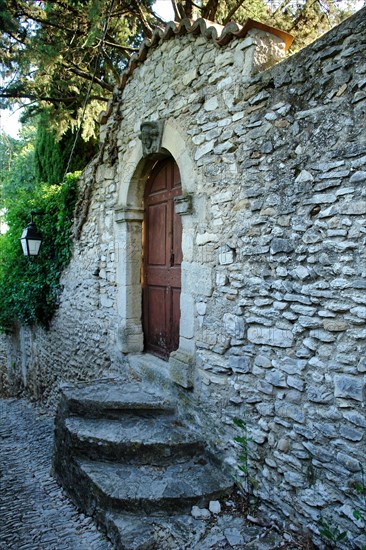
(37, 213)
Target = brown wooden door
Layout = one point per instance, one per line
(162, 260)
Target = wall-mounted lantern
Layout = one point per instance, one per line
(31, 238)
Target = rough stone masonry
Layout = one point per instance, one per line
(273, 306)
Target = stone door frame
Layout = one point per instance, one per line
(134, 171)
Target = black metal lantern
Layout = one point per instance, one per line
(31, 238)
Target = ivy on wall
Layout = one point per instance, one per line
(30, 288)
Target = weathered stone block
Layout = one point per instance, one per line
(319, 394)
(234, 325)
(295, 479)
(239, 364)
(262, 361)
(270, 336)
(286, 410)
(354, 208)
(282, 245)
(226, 255)
(351, 464)
(351, 433)
(197, 278)
(358, 177)
(204, 149)
(351, 387)
(276, 378)
(296, 383)
(335, 325)
(183, 204)
(265, 387)
(189, 76)
(181, 369)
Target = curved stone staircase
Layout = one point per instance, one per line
(124, 457)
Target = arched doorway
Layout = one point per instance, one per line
(162, 258)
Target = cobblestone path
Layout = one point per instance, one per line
(34, 512)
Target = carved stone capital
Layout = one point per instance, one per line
(151, 135)
(125, 215)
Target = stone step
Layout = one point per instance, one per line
(111, 399)
(136, 532)
(149, 367)
(185, 532)
(130, 532)
(123, 457)
(131, 438)
(172, 488)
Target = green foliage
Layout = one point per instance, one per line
(29, 168)
(328, 529)
(359, 490)
(330, 533)
(52, 154)
(16, 165)
(52, 53)
(29, 288)
(304, 19)
(243, 441)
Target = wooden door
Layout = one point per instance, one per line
(162, 260)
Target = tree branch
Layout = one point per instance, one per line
(74, 69)
(107, 60)
(119, 46)
(144, 23)
(48, 23)
(155, 15)
(178, 14)
(233, 11)
(281, 6)
(210, 9)
(36, 97)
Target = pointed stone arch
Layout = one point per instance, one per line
(134, 171)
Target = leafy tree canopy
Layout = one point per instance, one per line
(53, 51)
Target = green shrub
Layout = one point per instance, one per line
(29, 288)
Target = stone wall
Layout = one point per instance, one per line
(3, 365)
(273, 301)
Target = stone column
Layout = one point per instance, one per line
(182, 361)
(129, 251)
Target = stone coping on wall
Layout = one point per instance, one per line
(213, 32)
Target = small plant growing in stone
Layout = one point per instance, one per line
(359, 488)
(249, 482)
(330, 533)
